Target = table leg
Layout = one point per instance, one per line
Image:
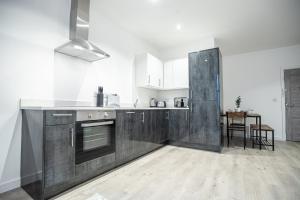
(273, 145)
(259, 119)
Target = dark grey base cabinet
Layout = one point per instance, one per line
(48, 148)
(47, 152)
(179, 126)
(139, 132)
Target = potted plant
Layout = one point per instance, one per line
(238, 103)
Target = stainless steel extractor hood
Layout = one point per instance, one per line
(79, 46)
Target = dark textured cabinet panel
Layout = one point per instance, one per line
(59, 155)
(139, 132)
(124, 124)
(165, 126)
(179, 126)
(32, 153)
(95, 164)
(129, 135)
(205, 98)
(57, 117)
(204, 75)
(204, 123)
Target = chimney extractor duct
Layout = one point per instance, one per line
(79, 46)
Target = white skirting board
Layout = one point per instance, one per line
(10, 185)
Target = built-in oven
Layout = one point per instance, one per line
(95, 134)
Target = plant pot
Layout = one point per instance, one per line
(237, 109)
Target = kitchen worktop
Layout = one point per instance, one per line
(95, 108)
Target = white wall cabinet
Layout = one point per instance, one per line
(149, 71)
(176, 74)
(168, 75)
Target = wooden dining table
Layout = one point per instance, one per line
(257, 121)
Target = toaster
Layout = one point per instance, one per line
(161, 104)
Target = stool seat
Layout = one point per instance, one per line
(264, 127)
(257, 138)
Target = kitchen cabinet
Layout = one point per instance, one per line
(59, 154)
(131, 135)
(176, 74)
(168, 75)
(205, 98)
(125, 134)
(162, 118)
(47, 152)
(179, 126)
(149, 71)
(139, 132)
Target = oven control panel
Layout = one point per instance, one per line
(88, 115)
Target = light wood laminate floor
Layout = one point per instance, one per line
(181, 173)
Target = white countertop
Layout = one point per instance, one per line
(95, 108)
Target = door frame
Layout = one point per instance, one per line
(283, 108)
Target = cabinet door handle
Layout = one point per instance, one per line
(72, 136)
(149, 79)
(62, 115)
(191, 107)
(168, 116)
(191, 94)
(130, 112)
(186, 115)
(143, 119)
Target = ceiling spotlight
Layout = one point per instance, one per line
(178, 27)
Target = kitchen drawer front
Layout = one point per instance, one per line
(59, 117)
(96, 164)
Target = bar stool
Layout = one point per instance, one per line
(263, 140)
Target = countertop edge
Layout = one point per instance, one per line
(98, 108)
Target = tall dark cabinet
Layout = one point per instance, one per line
(205, 91)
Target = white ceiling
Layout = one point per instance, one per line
(238, 25)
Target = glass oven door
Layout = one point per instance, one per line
(94, 139)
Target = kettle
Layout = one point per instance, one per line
(153, 102)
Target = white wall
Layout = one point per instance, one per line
(183, 50)
(257, 78)
(30, 30)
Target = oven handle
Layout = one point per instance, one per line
(97, 124)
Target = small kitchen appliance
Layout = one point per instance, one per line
(153, 102)
(161, 104)
(111, 100)
(181, 102)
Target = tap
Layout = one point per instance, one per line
(135, 103)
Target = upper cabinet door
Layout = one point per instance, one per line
(149, 71)
(181, 73)
(176, 74)
(168, 75)
(155, 71)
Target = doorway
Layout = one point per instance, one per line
(292, 103)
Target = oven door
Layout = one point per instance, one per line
(94, 139)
